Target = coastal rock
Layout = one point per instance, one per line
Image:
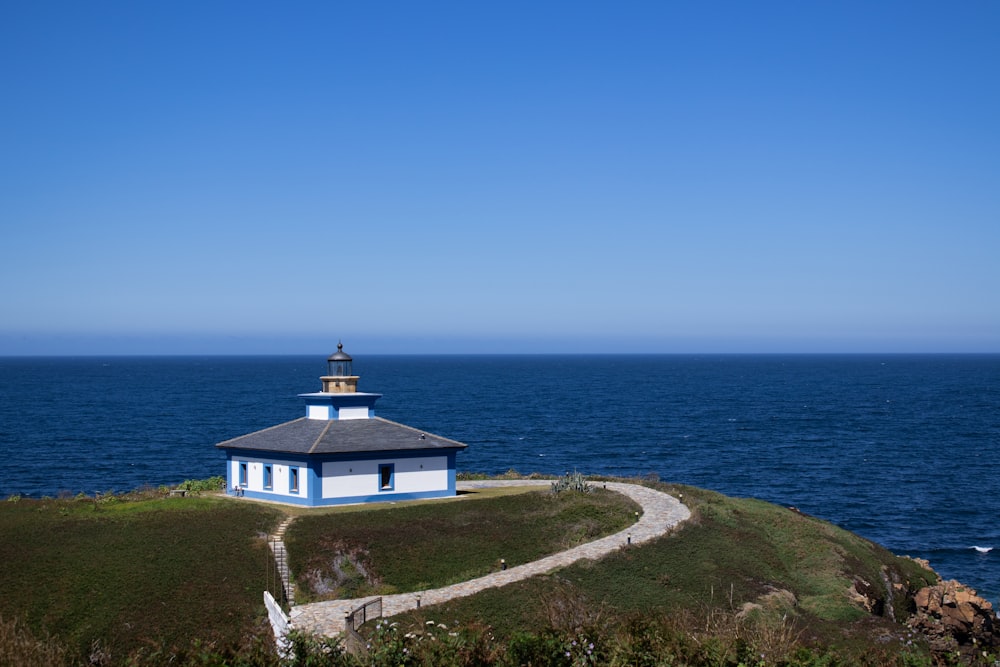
(951, 614)
(878, 597)
(863, 594)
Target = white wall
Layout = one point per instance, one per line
(319, 412)
(280, 625)
(361, 478)
(280, 476)
(353, 412)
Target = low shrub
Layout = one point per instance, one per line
(571, 482)
(216, 483)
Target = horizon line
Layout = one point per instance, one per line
(733, 353)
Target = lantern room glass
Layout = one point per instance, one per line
(339, 367)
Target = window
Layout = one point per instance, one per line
(385, 475)
(243, 474)
(293, 480)
(268, 477)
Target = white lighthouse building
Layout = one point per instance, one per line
(340, 452)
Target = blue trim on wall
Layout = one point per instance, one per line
(315, 483)
(396, 454)
(451, 472)
(353, 500)
(391, 497)
(278, 498)
(307, 459)
(337, 401)
(258, 455)
(310, 471)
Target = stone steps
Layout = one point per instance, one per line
(277, 544)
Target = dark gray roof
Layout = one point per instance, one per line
(320, 436)
(339, 355)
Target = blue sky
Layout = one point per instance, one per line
(192, 177)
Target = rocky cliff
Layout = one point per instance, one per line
(954, 618)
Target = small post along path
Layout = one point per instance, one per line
(660, 513)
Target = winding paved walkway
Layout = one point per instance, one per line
(661, 512)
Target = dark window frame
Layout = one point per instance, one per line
(386, 477)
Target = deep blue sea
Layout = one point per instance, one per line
(901, 449)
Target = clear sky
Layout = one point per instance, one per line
(206, 177)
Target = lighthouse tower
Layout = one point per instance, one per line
(340, 398)
(340, 378)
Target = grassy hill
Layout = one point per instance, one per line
(100, 579)
(144, 580)
(359, 552)
(740, 580)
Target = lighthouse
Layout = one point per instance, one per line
(340, 451)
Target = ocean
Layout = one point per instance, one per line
(901, 449)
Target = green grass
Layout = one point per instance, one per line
(178, 579)
(733, 551)
(415, 547)
(134, 576)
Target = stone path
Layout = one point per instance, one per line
(660, 513)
